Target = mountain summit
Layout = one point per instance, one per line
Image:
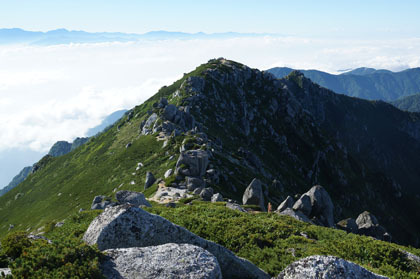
(224, 125)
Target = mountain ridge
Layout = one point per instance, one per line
(368, 84)
(409, 103)
(273, 129)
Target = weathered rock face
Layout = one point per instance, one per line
(78, 142)
(194, 183)
(217, 197)
(168, 173)
(60, 148)
(303, 204)
(322, 206)
(169, 112)
(316, 204)
(133, 198)
(196, 161)
(125, 226)
(206, 194)
(148, 125)
(287, 203)
(164, 261)
(366, 220)
(254, 195)
(326, 267)
(150, 179)
(368, 225)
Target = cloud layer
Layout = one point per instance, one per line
(58, 92)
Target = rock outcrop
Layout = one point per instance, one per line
(133, 198)
(217, 197)
(196, 162)
(315, 204)
(303, 204)
(254, 194)
(368, 225)
(125, 226)
(60, 148)
(150, 179)
(287, 203)
(206, 194)
(170, 194)
(160, 262)
(326, 267)
(101, 202)
(322, 206)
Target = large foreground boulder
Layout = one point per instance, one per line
(125, 226)
(326, 267)
(133, 198)
(254, 194)
(164, 261)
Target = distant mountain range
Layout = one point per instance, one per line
(64, 36)
(61, 148)
(366, 83)
(409, 103)
(109, 120)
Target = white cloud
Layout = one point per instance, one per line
(55, 93)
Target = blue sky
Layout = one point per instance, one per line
(304, 18)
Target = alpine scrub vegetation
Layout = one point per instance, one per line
(208, 135)
(65, 257)
(268, 240)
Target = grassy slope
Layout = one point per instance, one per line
(70, 182)
(269, 240)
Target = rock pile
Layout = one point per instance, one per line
(314, 206)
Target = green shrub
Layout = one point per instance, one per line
(14, 243)
(4, 261)
(50, 226)
(272, 242)
(70, 258)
